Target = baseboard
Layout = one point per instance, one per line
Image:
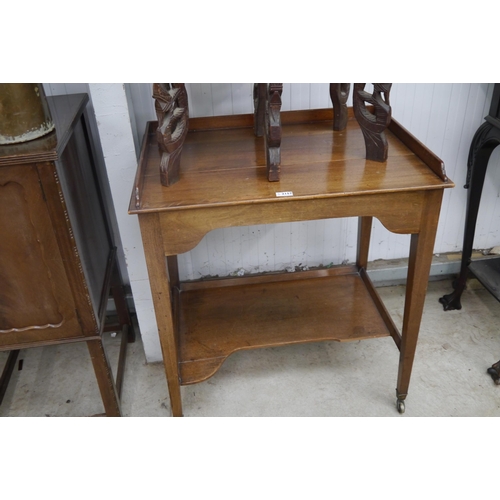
(382, 273)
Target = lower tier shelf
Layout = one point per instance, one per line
(217, 318)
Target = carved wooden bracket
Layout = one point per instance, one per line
(373, 124)
(259, 101)
(339, 93)
(171, 105)
(273, 131)
(267, 121)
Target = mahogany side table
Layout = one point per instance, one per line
(223, 182)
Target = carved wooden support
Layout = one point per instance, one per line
(273, 131)
(259, 101)
(171, 105)
(339, 93)
(373, 124)
(267, 122)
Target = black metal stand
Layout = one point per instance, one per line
(485, 140)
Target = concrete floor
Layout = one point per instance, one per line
(449, 376)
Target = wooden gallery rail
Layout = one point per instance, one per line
(323, 173)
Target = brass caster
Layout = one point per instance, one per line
(400, 405)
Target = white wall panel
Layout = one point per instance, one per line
(222, 101)
(242, 98)
(116, 133)
(200, 99)
(300, 96)
(319, 95)
(443, 116)
(143, 110)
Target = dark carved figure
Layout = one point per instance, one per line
(373, 124)
(339, 93)
(171, 105)
(267, 122)
(259, 101)
(273, 131)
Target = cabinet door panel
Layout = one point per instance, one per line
(78, 182)
(35, 299)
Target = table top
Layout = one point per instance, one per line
(226, 166)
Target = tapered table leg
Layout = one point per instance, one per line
(121, 303)
(7, 372)
(421, 247)
(105, 380)
(364, 233)
(162, 300)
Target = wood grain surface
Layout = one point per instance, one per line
(214, 322)
(316, 163)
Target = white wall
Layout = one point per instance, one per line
(113, 132)
(442, 116)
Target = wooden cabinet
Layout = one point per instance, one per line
(223, 183)
(57, 253)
